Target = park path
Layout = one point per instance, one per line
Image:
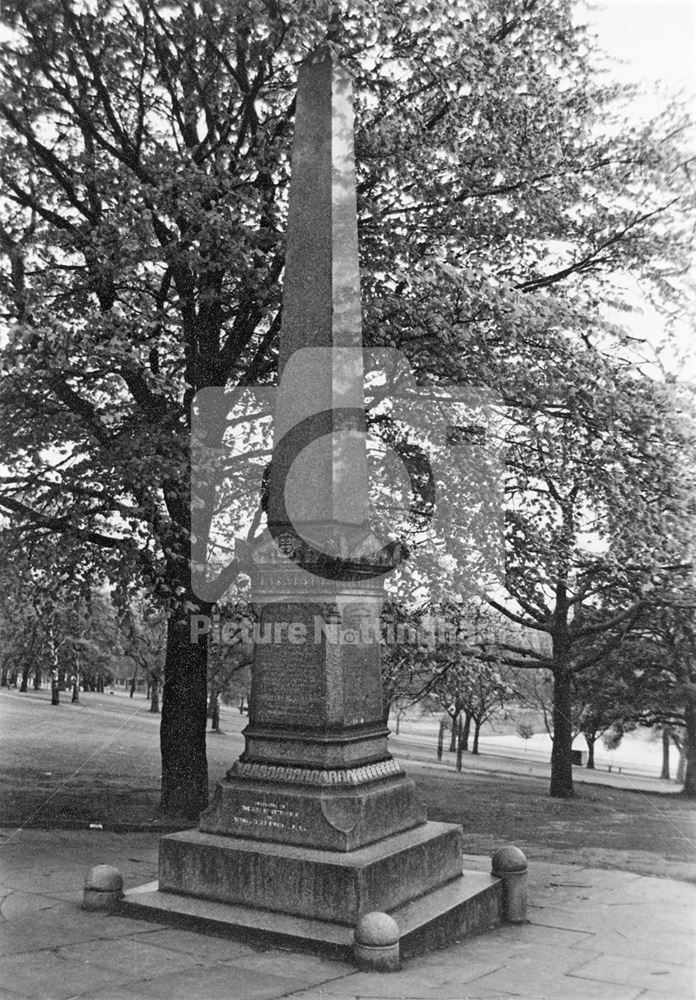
(423, 750)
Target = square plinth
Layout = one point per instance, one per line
(305, 882)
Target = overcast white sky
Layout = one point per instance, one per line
(656, 41)
(656, 38)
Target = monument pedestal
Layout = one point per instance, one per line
(311, 900)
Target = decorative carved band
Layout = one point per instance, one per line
(346, 776)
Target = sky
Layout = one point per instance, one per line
(655, 38)
(656, 43)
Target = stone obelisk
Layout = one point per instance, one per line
(316, 755)
(316, 825)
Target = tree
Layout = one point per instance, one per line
(144, 180)
(406, 659)
(144, 634)
(447, 693)
(665, 668)
(485, 695)
(465, 673)
(472, 688)
(597, 491)
(89, 642)
(54, 620)
(603, 700)
(525, 730)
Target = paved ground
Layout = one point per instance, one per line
(592, 935)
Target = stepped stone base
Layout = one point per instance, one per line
(338, 818)
(327, 885)
(466, 905)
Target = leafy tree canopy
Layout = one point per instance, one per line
(144, 176)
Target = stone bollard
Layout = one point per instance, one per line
(103, 888)
(510, 865)
(376, 943)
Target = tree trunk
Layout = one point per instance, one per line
(24, 686)
(154, 699)
(55, 691)
(590, 739)
(477, 730)
(182, 729)
(453, 734)
(212, 698)
(466, 730)
(215, 718)
(561, 753)
(681, 763)
(3, 678)
(440, 738)
(681, 766)
(665, 755)
(37, 679)
(76, 689)
(689, 788)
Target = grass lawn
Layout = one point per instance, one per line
(98, 762)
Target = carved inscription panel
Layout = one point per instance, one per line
(288, 676)
(267, 814)
(362, 685)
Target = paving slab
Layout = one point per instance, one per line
(675, 983)
(10, 995)
(671, 949)
(47, 976)
(211, 949)
(309, 969)
(547, 936)
(413, 982)
(140, 958)
(536, 984)
(219, 982)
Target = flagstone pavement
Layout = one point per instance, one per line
(592, 935)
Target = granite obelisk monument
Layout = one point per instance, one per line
(316, 825)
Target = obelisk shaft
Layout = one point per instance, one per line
(325, 479)
(321, 288)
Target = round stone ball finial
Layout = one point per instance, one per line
(508, 859)
(376, 944)
(377, 929)
(510, 866)
(103, 888)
